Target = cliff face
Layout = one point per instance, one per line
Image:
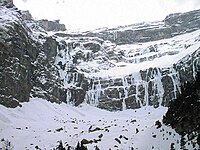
(105, 68)
(26, 58)
(17, 55)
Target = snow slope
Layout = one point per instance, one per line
(41, 123)
(140, 56)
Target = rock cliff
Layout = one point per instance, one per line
(172, 25)
(115, 69)
(183, 113)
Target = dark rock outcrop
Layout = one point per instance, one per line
(44, 23)
(18, 52)
(183, 113)
(7, 3)
(26, 15)
(52, 25)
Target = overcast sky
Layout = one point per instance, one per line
(89, 14)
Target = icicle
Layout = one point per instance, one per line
(137, 92)
(68, 97)
(194, 67)
(115, 35)
(159, 85)
(174, 85)
(138, 81)
(98, 92)
(120, 95)
(146, 96)
(123, 104)
(125, 88)
(94, 93)
(175, 82)
(73, 78)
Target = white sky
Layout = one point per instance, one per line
(88, 14)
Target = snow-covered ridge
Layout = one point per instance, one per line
(172, 25)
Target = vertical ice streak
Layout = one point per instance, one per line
(175, 81)
(138, 82)
(94, 92)
(125, 87)
(65, 59)
(115, 35)
(174, 85)
(98, 91)
(146, 96)
(123, 104)
(159, 86)
(68, 97)
(137, 91)
(194, 66)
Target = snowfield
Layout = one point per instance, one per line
(139, 56)
(41, 123)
